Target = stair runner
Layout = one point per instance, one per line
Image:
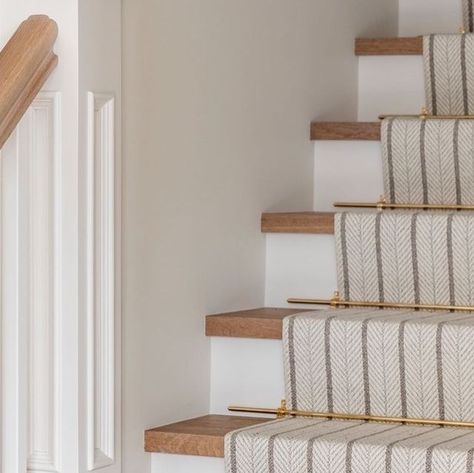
(398, 363)
(468, 15)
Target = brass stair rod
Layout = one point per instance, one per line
(429, 117)
(385, 205)
(337, 302)
(425, 115)
(284, 412)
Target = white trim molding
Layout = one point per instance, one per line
(42, 143)
(31, 286)
(100, 280)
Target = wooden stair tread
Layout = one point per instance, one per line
(255, 323)
(410, 46)
(365, 131)
(298, 222)
(202, 436)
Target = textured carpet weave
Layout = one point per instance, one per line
(381, 362)
(421, 258)
(428, 161)
(468, 15)
(321, 446)
(449, 73)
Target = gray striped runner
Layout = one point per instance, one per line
(449, 73)
(428, 161)
(388, 363)
(304, 446)
(425, 257)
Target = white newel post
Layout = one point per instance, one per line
(60, 251)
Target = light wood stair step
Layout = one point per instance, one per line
(255, 323)
(321, 223)
(411, 46)
(363, 131)
(203, 436)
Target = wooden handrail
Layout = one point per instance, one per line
(26, 62)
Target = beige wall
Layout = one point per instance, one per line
(218, 97)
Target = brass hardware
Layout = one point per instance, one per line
(383, 205)
(282, 411)
(336, 302)
(427, 116)
(462, 30)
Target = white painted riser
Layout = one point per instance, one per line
(429, 16)
(185, 464)
(245, 372)
(390, 84)
(299, 266)
(346, 171)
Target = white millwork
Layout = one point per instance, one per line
(60, 242)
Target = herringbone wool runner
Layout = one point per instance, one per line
(381, 362)
(424, 257)
(428, 161)
(321, 446)
(449, 73)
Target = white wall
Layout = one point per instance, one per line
(218, 97)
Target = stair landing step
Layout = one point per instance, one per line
(412, 46)
(321, 223)
(255, 323)
(346, 131)
(203, 436)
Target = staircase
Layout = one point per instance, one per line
(247, 352)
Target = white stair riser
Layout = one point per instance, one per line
(245, 372)
(429, 16)
(346, 171)
(299, 266)
(185, 464)
(390, 84)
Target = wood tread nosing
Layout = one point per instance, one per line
(203, 436)
(345, 131)
(321, 223)
(407, 46)
(264, 323)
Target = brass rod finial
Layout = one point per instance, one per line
(462, 30)
(424, 113)
(382, 203)
(282, 410)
